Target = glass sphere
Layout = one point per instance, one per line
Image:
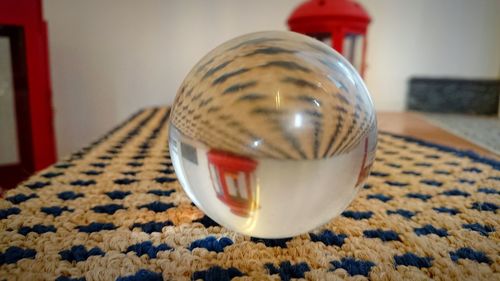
(272, 134)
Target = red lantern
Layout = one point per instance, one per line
(341, 24)
(233, 180)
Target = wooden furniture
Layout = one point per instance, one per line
(413, 124)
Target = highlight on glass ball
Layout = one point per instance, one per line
(272, 134)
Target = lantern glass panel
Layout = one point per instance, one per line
(324, 37)
(352, 49)
(8, 131)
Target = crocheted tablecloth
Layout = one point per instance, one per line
(115, 210)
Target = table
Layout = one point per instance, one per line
(115, 211)
(413, 124)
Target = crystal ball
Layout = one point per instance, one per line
(272, 134)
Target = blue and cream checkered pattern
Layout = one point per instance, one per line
(115, 211)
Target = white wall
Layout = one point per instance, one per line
(430, 38)
(111, 57)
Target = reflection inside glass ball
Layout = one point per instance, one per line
(272, 134)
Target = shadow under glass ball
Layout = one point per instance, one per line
(272, 134)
